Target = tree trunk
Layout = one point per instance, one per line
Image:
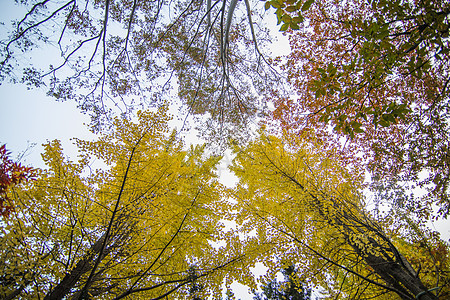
(83, 266)
(397, 274)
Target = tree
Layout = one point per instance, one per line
(296, 203)
(11, 174)
(115, 56)
(143, 226)
(378, 73)
(290, 289)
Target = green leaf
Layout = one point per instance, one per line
(294, 26)
(267, 5)
(356, 127)
(324, 118)
(307, 5)
(291, 8)
(383, 123)
(286, 19)
(284, 27)
(275, 4)
(359, 130)
(297, 20)
(363, 115)
(389, 118)
(331, 69)
(342, 118)
(279, 13)
(319, 92)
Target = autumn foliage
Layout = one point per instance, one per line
(11, 174)
(145, 225)
(372, 78)
(298, 203)
(328, 144)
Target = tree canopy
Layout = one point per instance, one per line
(113, 57)
(361, 100)
(145, 226)
(300, 205)
(378, 73)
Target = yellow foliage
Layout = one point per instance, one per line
(308, 210)
(146, 225)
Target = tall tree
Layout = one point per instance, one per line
(116, 56)
(297, 203)
(143, 226)
(378, 73)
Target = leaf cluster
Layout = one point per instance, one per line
(11, 174)
(289, 12)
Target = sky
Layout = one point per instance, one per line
(28, 118)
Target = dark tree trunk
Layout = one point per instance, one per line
(399, 276)
(83, 266)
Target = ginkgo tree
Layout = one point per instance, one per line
(145, 226)
(298, 204)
